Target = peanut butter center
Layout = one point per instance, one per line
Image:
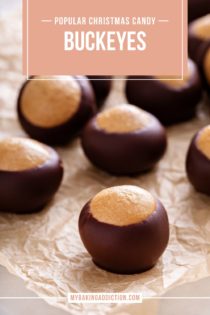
(203, 141)
(177, 84)
(19, 154)
(201, 27)
(123, 118)
(207, 65)
(122, 205)
(49, 103)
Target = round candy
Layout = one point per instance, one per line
(30, 174)
(197, 8)
(102, 86)
(199, 47)
(206, 68)
(124, 140)
(199, 38)
(125, 229)
(171, 101)
(198, 161)
(54, 109)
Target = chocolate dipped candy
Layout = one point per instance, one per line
(101, 86)
(198, 161)
(199, 47)
(30, 174)
(199, 38)
(54, 111)
(171, 101)
(124, 140)
(206, 68)
(197, 8)
(204, 65)
(125, 229)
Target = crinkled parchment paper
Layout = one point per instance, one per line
(45, 249)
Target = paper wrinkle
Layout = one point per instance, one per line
(45, 249)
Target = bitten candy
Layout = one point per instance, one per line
(102, 86)
(124, 140)
(125, 229)
(198, 161)
(54, 109)
(171, 101)
(30, 174)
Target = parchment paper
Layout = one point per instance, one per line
(45, 249)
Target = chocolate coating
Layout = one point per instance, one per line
(203, 69)
(126, 153)
(200, 59)
(101, 87)
(199, 47)
(170, 105)
(27, 191)
(125, 249)
(197, 44)
(198, 167)
(197, 8)
(66, 131)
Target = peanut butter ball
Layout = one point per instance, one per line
(171, 101)
(30, 174)
(198, 161)
(206, 68)
(124, 140)
(125, 229)
(55, 109)
(199, 38)
(199, 47)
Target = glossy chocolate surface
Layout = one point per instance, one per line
(125, 250)
(203, 69)
(197, 8)
(201, 65)
(127, 153)
(29, 190)
(170, 105)
(101, 87)
(198, 168)
(197, 40)
(66, 131)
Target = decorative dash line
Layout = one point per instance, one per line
(163, 21)
(46, 21)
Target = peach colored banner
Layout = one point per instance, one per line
(110, 37)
